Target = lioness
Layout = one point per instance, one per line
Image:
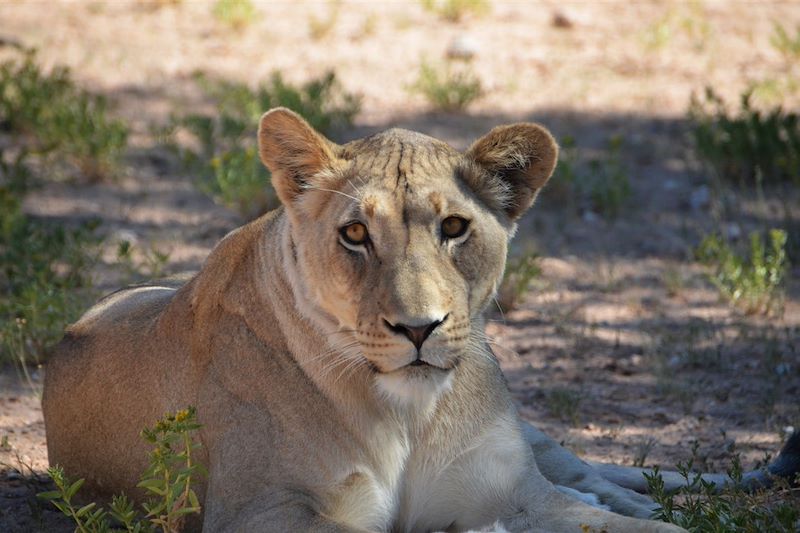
(334, 349)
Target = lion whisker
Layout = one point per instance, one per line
(315, 188)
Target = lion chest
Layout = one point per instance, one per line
(368, 495)
(431, 489)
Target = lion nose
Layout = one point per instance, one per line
(416, 334)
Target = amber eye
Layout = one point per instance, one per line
(454, 227)
(355, 233)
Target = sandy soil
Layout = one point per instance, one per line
(622, 350)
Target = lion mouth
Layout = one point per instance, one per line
(419, 364)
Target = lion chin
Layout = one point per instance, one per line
(416, 388)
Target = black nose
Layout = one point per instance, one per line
(416, 334)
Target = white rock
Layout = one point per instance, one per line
(590, 216)
(125, 235)
(463, 47)
(733, 231)
(700, 197)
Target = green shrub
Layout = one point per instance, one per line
(608, 187)
(748, 145)
(448, 87)
(43, 273)
(517, 279)
(699, 507)
(49, 116)
(44, 283)
(225, 159)
(455, 10)
(236, 14)
(562, 186)
(565, 404)
(140, 264)
(687, 19)
(784, 42)
(603, 188)
(168, 481)
(753, 282)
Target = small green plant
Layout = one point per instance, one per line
(658, 34)
(673, 281)
(140, 264)
(517, 279)
(456, 10)
(319, 28)
(172, 467)
(236, 14)
(562, 186)
(50, 117)
(643, 449)
(749, 145)
(604, 187)
(565, 404)
(689, 20)
(168, 481)
(753, 281)
(225, 158)
(701, 507)
(609, 189)
(786, 43)
(772, 91)
(449, 87)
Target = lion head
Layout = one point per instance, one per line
(397, 242)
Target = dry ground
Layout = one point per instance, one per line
(623, 347)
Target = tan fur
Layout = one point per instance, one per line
(312, 420)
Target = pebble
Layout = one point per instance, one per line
(590, 216)
(675, 361)
(462, 47)
(700, 197)
(560, 20)
(733, 231)
(125, 235)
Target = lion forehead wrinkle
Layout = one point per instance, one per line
(437, 201)
(398, 154)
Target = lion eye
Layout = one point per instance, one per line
(454, 227)
(355, 233)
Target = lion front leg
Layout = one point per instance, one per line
(497, 479)
(557, 512)
(273, 510)
(564, 469)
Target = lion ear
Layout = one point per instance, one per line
(292, 151)
(522, 157)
